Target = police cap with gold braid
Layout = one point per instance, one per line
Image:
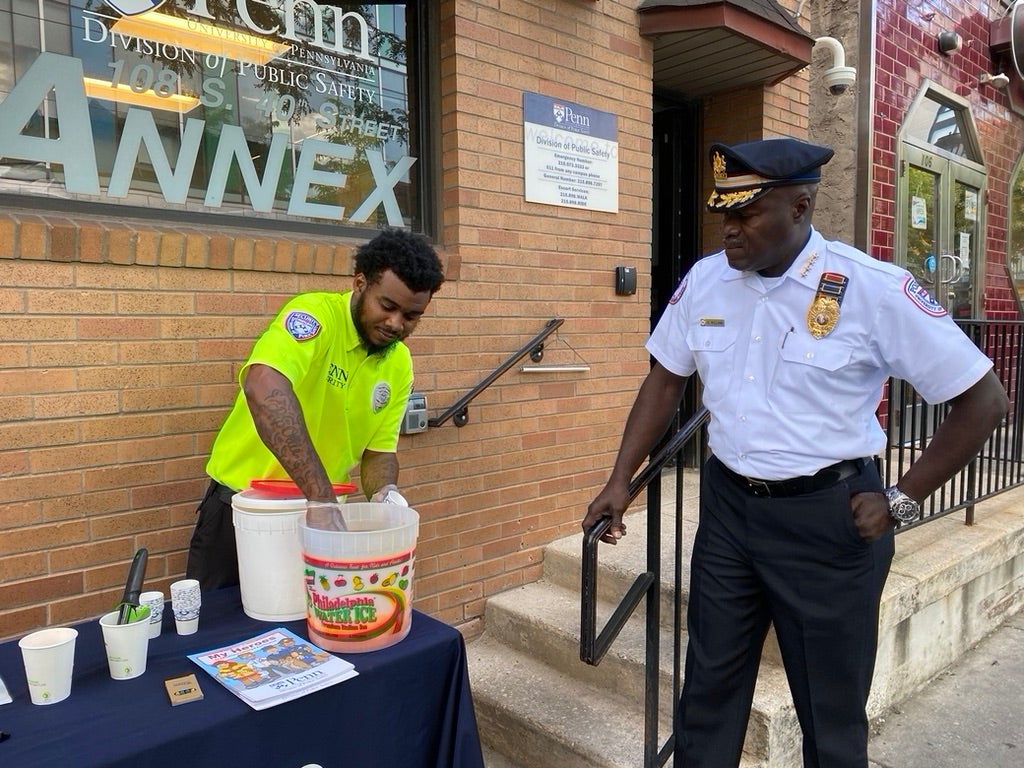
(744, 172)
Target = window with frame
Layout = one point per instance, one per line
(1015, 234)
(287, 112)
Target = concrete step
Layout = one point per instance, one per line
(540, 620)
(538, 716)
(621, 564)
(565, 723)
(494, 759)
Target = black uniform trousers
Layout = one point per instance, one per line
(212, 552)
(796, 562)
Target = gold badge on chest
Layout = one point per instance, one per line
(823, 314)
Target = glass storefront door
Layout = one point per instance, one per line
(940, 202)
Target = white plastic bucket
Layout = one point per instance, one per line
(359, 581)
(269, 554)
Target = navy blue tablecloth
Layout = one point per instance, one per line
(410, 706)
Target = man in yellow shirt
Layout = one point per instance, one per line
(324, 390)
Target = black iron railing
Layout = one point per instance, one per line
(909, 423)
(458, 411)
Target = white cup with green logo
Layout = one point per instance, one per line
(49, 657)
(127, 645)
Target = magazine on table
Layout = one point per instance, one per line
(273, 667)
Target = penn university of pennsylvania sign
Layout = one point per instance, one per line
(287, 108)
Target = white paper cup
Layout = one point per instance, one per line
(186, 599)
(127, 645)
(155, 602)
(49, 657)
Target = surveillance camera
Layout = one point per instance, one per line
(839, 79)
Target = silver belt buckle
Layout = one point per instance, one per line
(759, 487)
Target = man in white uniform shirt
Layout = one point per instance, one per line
(793, 338)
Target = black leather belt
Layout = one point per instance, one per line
(795, 486)
(222, 492)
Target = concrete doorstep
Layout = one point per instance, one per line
(951, 586)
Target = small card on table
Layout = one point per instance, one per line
(183, 689)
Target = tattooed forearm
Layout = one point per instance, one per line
(378, 470)
(277, 416)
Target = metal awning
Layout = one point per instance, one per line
(707, 46)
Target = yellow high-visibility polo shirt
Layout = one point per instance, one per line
(350, 401)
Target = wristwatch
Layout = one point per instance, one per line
(902, 508)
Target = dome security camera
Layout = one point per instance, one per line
(839, 79)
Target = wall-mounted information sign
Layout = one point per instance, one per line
(571, 154)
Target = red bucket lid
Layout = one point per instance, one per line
(288, 488)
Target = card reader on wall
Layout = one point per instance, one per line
(625, 281)
(415, 419)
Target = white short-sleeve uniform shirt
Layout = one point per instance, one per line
(784, 403)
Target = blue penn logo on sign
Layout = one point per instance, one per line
(134, 7)
(924, 300)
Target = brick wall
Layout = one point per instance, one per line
(119, 354)
(905, 55)
(537, 446)
(121, 342)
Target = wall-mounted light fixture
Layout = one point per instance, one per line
(1000, 81)
(839, 77)
(948, 41)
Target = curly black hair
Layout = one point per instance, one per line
(410, 256)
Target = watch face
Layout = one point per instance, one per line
(902, 508)
(904, 511)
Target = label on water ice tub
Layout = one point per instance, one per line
(359, 602)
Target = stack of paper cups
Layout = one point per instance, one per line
(185, 601)
(155, 602)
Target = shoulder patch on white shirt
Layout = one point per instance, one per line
(679, 291)
(921, 298)
(301, 325)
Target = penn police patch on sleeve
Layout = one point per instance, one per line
(921, 298)
(679, 290)
(301, 325)
(381, 396)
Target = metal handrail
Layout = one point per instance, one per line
(593, 646)
(459, 410)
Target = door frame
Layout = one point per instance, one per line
(950, 168)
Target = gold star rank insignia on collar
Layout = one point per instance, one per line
(808, 262)
(823, 314)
